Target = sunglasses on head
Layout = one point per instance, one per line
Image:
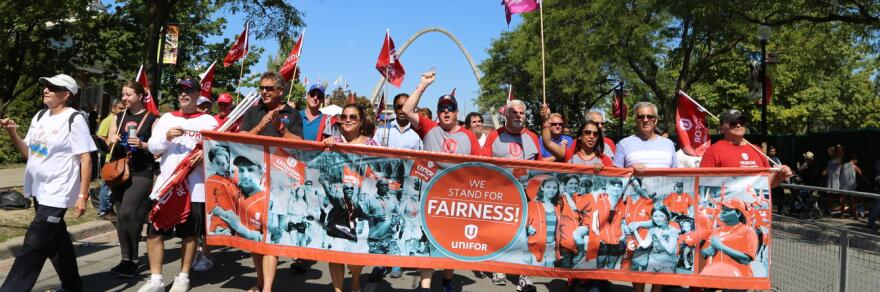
(646, 117)
(268, 88)
(447, 108)
(590, 133)
(351, 117)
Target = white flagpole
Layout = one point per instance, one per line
(543, 64)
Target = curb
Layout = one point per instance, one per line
(77, 232)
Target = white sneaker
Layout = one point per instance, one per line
(151, 287)
(180, 285)
(201, 264)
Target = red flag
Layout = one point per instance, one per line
(618, 106)
(289, 68)
(350, 176)
(690, 125)
(283, 162)
(768, 89)
(380, 108)
(518, 6)
(239, 49)
(509, 98)
(173, 204)
(207, 81)
(388, 64)
(148, 100)
(370, 173)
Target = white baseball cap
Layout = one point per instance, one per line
(61, 80)
(202, 100)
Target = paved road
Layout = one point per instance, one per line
(234, 272)
(11, 177)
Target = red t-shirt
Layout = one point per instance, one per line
(678, 203)
(741, 238)
(725, 154)
(221, 192)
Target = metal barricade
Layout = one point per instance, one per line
(811, 256)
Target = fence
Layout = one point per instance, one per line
(812, 256)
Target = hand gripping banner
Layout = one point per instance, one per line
(363, 205)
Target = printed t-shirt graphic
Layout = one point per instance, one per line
(503, 144)
(435, 139)
(251, 212)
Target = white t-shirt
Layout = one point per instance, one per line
(687, 161)
(173, 152)
(53, 167)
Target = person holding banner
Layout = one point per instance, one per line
(131, 131)
(399, 134)
(587, 150)
(56, 148)
(553, 124)
(272, 117)
(445, 136)
(598, 117)
(177, 134)
(347, 220)
(645, 149)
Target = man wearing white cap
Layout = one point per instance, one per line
(57, 175)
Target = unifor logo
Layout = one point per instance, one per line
(745, 156)
(471, 231)
(450, 145)
(515, 150)
(291, 161)
(686, 124)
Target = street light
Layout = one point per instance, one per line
(763, 37)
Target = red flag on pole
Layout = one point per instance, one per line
(388, 64)
(148, 100)
(380, 108)
(289, 67)
(618, 105)
(207, 81)
(349, 176)
(518, 6)
(239, 49)
(690, 125)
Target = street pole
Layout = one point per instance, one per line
(763, 37)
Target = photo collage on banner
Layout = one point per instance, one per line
(735, 214)
(515, 216)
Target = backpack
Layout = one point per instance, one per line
(11, 200)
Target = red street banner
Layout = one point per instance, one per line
(148, 100)
(207, 81)
(687, 227)
(388, 64)
(239, 49)
(289, 68)
(690, 125)
(618, 105)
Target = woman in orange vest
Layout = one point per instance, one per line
(542, 225)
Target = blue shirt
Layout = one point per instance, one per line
(659, 152)
(310, 129)
(400, 138)
(558, 140)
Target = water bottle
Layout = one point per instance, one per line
(132, 132)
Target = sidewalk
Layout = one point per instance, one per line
(11, 177)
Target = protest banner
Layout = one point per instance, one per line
(362, 205)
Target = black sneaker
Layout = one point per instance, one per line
(377, 274)
(125, 269)
(299, 266)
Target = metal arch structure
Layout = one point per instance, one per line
(477, 73)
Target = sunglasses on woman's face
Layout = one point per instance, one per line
(54, 88)
(590, 133)
(735, 124)
(351, 117)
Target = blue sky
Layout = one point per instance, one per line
(344, 38)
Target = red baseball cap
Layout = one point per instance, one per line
(224, 98)
(736, 204)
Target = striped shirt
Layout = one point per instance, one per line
(658, 152)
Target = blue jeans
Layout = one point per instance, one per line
(105, 204)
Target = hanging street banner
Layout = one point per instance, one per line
(172, 43)
(362, 205)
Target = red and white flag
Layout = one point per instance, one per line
(380, 108)
(509, 98)
(518, 6)
(690, 125)
(288, 70)
(350, 176)
(148, 100)
(618, 105)
(388, 64)
(239, 49)
(207, 81)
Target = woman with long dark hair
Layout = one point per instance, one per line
(130, 133)
(543, 223)
(588, 148)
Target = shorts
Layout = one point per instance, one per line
(193, 226)
(612, 249)
(341, 244)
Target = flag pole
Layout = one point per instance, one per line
(292, 81)
(240, 74)
(384, 103)
(543, 65)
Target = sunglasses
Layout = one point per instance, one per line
(447, 108)
(646, 117)
(590, 133)
(314, 94)
(398, 106)
(54, 88)
(269, 88)
(189, 90)
(737, 123)
(556, 124)
(600, 124)
(351, 117)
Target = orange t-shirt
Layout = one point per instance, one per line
(253, 212)
(221, 192)
(678, 202)
(740, 237)
(571, 220)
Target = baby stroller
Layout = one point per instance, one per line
(804, 205)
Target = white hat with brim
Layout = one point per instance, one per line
(62, 80)
(203, 99)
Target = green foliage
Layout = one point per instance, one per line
(826, 77)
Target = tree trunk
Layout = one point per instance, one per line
(158, 12)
